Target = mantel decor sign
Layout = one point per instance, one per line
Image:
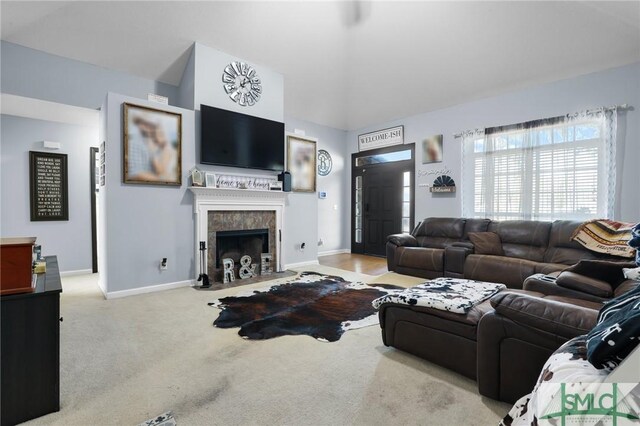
(49, 186)
(239, 181)
(381, 138)
(152, 146)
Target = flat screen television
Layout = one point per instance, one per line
(232, 139)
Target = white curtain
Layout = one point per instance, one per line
(556, 168)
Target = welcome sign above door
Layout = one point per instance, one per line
(381, 138)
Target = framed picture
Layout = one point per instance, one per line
(210, 179)
(432, 150)
(301, 162)
(49, 186)
(152, 146)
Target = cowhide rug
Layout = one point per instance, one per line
(321, 306)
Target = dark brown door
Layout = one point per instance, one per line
(382, 197)
(382, 208)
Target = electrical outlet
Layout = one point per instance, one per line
(163, 264)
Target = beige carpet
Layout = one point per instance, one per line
(126, 360)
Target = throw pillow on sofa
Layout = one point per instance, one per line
(486, 243)
(617, 331)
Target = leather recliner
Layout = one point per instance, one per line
(517, 337)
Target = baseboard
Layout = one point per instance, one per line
(330, 252)
(301, 264)
(78, 272)
(148, 289)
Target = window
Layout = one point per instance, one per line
(388, 157)
(358, 212)
(406, 202)
(560, 168)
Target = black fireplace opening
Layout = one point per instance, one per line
(235, 244)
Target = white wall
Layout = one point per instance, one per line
(606, 88)
(145, 223)
(69, 240)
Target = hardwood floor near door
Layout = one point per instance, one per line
(370, 265)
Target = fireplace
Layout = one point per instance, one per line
(235, 244)
(219, 210)
(236, 233)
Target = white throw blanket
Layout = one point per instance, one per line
(447, 294)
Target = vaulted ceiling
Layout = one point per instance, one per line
(346, 64)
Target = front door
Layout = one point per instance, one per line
(382, 208)
(382, 197)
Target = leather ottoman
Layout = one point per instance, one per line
(444, 338)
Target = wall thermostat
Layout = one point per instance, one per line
(322, 195)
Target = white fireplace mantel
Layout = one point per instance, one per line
(222, 199)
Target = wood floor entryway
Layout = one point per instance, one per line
(370, 265)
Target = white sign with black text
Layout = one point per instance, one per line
(381, 138)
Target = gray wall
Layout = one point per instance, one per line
(69, 240)
(145, 223)
(35, 74)
(616, 86)
(331, 213)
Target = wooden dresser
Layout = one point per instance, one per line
(30, 351)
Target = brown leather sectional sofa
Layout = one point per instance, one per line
(502, 342)
(441, 247)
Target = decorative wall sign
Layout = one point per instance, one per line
(325, 163)
(442, 171)
(301, 162)
(49, 186)
(152, 146)
(443, 184)
(381, 138)
(432, 150)
(241, 83)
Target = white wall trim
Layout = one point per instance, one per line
(148, 289)
(330, 252)
(78, 272)
(38, 109)
(300, 264)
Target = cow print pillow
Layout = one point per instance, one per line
(617, 331)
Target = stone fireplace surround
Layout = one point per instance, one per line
(228, 208)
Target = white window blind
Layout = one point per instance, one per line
(561, 168)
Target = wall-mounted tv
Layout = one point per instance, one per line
(238, 140)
